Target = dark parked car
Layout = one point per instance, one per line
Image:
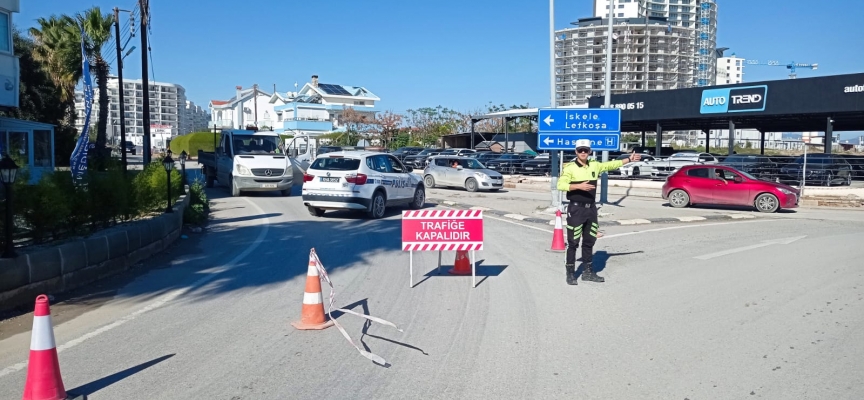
(823, 169)
(541, 165)
(508, 163)
(759, 166)
(403, 152)
(418, 160)
(130, 147)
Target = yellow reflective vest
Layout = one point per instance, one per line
(575, 173)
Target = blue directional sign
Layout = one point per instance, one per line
(560, 128)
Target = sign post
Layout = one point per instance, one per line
(559, 129)
(442, 230)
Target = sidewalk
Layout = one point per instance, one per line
(621, 209)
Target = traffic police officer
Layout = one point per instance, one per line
(579, 180)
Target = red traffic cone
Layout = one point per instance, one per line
(462, 266)
(43, 370)
(558, 235)
(312, 316)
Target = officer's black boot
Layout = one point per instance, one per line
(571, 274)
(589, 275)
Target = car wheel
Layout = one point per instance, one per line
(829, 179)
(471, 185)
(635, 172)
(848, 180)
(315, 212)
(286, 192)
(679, 198)
(208, 179)
(429, 181)
(377, 206)
(767, 203)
(235, 191)
(419, 198)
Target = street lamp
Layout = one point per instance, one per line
(183, 157)
(168, 163)
(8, 173)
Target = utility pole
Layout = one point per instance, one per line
(255, 102)
(607, 98)
(120, 80)
(553, 155)
(144, 5)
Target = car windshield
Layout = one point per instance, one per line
(469, 163)
(426, 152)
(335, 164)
(256, 144)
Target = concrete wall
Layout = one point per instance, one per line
(75, 263)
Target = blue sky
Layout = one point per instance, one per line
(457, 54)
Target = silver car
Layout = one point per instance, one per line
(461, 172)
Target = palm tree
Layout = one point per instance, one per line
(57, 50)
(97, 29)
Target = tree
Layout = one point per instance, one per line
(387, 126)
(56, 47)
(430, 123)
(97, 29)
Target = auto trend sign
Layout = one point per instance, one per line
(736, 99)
(442, 230)
(561, 128)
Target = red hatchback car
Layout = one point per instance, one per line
(720, 185)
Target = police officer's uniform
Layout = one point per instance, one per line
(582, 211)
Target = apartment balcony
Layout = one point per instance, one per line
(307, 125)
(221, 123)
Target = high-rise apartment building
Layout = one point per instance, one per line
(730, 70)
(647, 54)
(169, 109)
(700, 15)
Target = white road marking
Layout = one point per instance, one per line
(669, 228)
(519, 217)
(750, 247)
(212, 273)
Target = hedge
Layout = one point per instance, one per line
(54, 208)
(193, 142)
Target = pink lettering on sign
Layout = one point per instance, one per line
(429, 230)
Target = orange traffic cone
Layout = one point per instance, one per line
(558, 245)
(462, 266)
(43, 370)
(312, 315)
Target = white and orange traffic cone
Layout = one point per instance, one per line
(312, 316)
(558, 244)
(43, 370)
(462, 266)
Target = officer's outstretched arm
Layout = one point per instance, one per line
(564, 180)
(610, 165)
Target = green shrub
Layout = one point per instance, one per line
(199, 207)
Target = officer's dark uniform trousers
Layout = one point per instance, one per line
(581, 223)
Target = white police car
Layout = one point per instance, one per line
(362, 181)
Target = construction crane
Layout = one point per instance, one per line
(791, 66)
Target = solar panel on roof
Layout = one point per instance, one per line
(333, 89)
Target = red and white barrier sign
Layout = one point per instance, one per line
(442, 230)
(450, 230)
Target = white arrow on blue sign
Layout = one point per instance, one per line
(560, 128)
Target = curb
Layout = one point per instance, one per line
(620, 222)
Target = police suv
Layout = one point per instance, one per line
(360, 180)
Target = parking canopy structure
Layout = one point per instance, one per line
(823, 104)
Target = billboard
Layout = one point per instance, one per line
(828, 94)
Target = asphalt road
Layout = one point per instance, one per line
(210, 319)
